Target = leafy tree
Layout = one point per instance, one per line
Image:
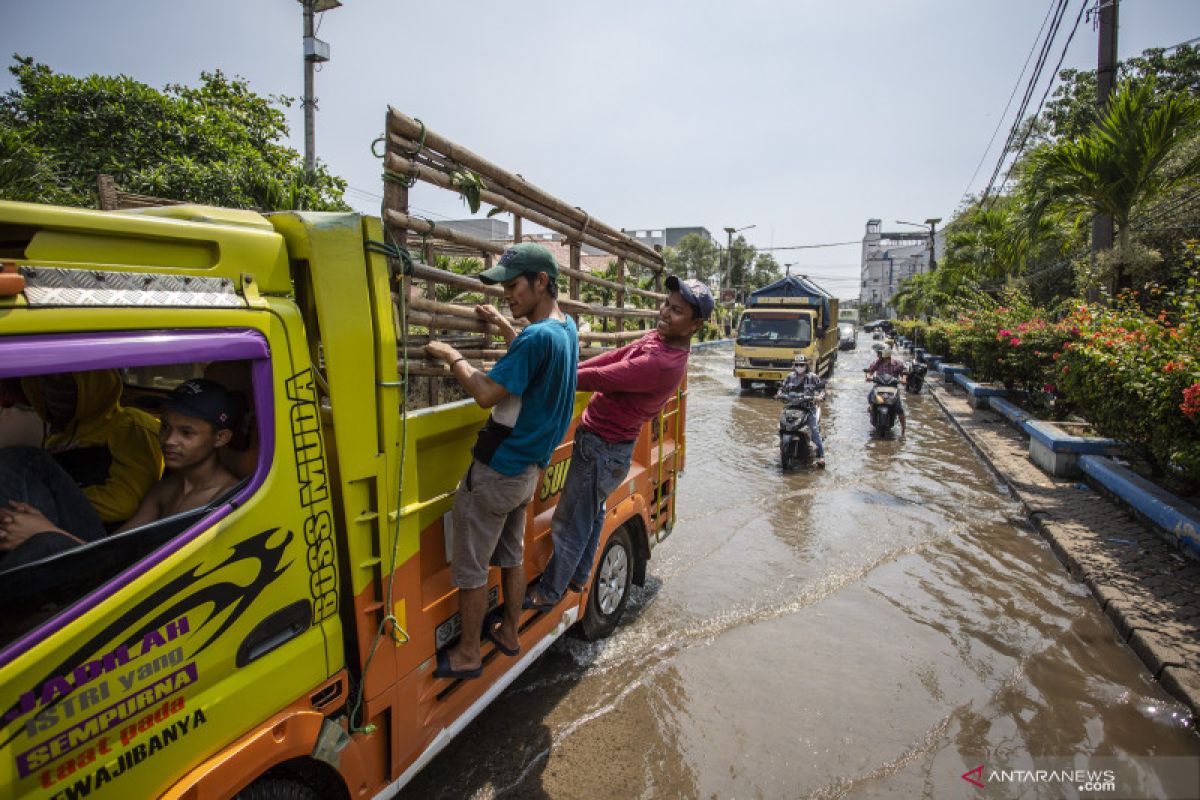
(1071, 111)
(741, 258)
(217, 143)
(1121, 161)
(695, 256)
(765, 270)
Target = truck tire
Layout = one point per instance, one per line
(610, 587)
(279, 787)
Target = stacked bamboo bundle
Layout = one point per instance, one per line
(414, 153)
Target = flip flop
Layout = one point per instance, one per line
(489, 632)
(444, 670)
(528, 603)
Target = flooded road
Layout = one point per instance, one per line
(874, 629)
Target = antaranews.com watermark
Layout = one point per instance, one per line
(1143, 778)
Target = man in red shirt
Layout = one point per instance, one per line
(631, 385)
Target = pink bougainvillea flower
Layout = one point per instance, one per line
(1048, 388)
(1014, 341)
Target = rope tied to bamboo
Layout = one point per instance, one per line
(407, 181)
(394, 253)
(420, 140)
(375, 152)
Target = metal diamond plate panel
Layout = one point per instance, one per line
(56, 286)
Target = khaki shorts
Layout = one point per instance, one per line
(489, 522)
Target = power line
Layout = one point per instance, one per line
(1046, 93)
(808, 246)
(1034, 77)
(1004, 113)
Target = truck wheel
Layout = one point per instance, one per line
(610, 587)
(279, 787)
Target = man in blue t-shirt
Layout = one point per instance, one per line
(531, 391)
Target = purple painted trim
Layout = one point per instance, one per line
(28, 355)
(165, 343)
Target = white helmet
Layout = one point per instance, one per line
(885, 352)
(800, 361)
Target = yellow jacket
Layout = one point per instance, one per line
(111, 451)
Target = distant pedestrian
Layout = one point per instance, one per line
(631, 385)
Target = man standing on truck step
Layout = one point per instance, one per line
(631, 385)
(531, 391)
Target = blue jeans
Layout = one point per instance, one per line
(31, 475)
(597, 468)
(815, 433)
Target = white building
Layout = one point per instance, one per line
(888, 257)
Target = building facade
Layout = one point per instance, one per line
(888, 257)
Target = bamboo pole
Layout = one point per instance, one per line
(430, 228)
(399, 164)
(504, 202)
(408, 127)
(428, 273)
(433, 230)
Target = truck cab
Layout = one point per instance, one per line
(789, 317)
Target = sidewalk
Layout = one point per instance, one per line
(1149, 590)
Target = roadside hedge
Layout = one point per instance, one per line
(1135, 375)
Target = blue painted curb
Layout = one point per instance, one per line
(1175, 516)
(1017, 416)
(1057, 441)
(950, 370)
(976, 389)
(934, 361)
(711, 343)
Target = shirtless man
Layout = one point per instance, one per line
(197, 421)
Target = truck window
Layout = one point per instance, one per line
(793, 331)
(43, 587)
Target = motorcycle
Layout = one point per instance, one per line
(883, 402)
(794, 438)
(915, 378)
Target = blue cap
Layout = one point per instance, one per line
(695, 292)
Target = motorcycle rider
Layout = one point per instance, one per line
(805, 382)
(885, 365)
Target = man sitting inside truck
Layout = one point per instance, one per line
(531, 391)
(886, 365)
(109, 449)
(631, 385)
(197, 421)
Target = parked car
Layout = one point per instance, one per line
(847, 337)
(884, 325)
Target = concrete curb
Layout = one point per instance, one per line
(1176, 517)
(1136, 609)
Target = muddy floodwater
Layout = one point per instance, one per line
(875, 629)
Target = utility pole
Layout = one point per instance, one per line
(315, 52)
(1106, 69)
(932, 223)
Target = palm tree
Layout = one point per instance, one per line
(1122, 161)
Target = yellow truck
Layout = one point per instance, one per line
(782, 320)
(280, 641)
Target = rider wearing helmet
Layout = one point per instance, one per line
(885, 365)
(804, 382)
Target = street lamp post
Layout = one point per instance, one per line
(729, 251)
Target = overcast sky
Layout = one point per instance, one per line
(801, 118)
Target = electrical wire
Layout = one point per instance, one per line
(1004, 113)
(1046, 93)
(1034, 78)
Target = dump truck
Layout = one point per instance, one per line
(782, 320)
(279, 641)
